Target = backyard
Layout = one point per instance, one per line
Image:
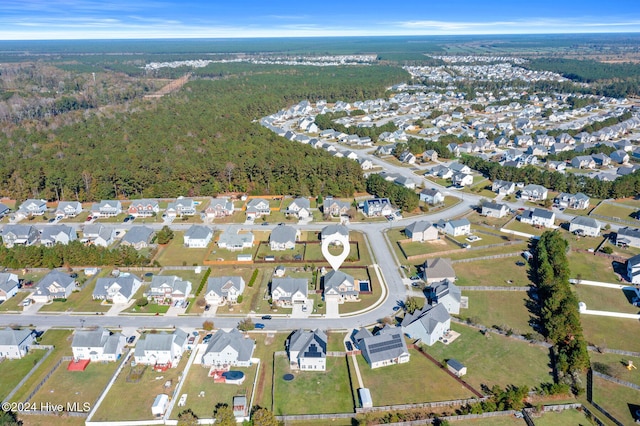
(176, 254)
(13, 370)
(622, 402)
(504, 272)
(612, 333)
(606, 299)
(504, 309)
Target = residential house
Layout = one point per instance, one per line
(9, 284)
(144, 208)
(168, 288)
(601, 160)
(221, 290)
(333, 207)
(98, 234)
(442, 172)
(4, 210)
(583, 162)
(106, 208)
(502, 187)
(287, 292)
(57, 234)
(234, 240)
(300, 208)
(582, 225)
(181, 207)
(538, 217)
(633, 269)
(219, 207)
(386, 347)
(559, 166)
(378, 207)
(365, 163)
(68, 209)
(534, 192)
(14, 344)
(117, 290)
(429, 324)
(577, 201)
(283, 237)
(257, 207)
(32, 207)
(97, 345)
(54, 285)
(138, 237)
(620, 156)
(446, 293)
(229, 349)
(405, 182)
(431, 196)
(421, 231)
(407, 157)
(198, 236)
(307, 350)
(437, 269)
(161, 350)
(430, 155)
(332, 232)
(22, 235)
(459, 168)
(457, 227)
(628, 237)
(461, 179)
(340, 287)
(497, 210)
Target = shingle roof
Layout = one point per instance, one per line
(283, 234)
(310, 344)
(419, 226)
(234, 338)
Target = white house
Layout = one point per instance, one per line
(32, 207)
(236, 240)
(117, 290)
(534, 193)
(181, 207)
(300, 208)
(583, 225)
(307, 350)
(497, 210)
(98, 234)
(221, 290)
(69, 209)
(431, 196)
(462, 179)
(633, 269)
(168, 287)
(340, 287)
(8, 285)
(428, 324)
(231, 348)
(446, 293)
(106, 208)
(97, 345)
(503, 187)
(538, 217)
(257, 207)
(331, 232)
(24, 235)
(161, 350)
(628, 237)
(57, 234)
(144, 208)
(421, 231)
(457, 227)
(577, 201)
(386, 347)
(283, 237)
(378, 207)
(14, 344)
(198, 236)
(54, 285)
(437, 269)
(289, 291)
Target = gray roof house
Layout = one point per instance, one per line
(446, 293)
(284, 237)
(57, 234)
(538, 217)
(24, 235)
(496, 210)
(97, 345)
(69, 208)
(339, 286)
(221, 290)
(289, 291)
(258, 207)
(181, 207)
(144, 208)
(54, 285)
(429, 324)
(457, 227)
(99, 234)
(503, 187)
(8, 285)
(628, 237)
(583, 225)
(33, 207)
(386, 347)
(118, 290)
(307, 350)
(534, 192)
(14, 344)
(431, 196)
(421, 231)
(300, 207)
(231, 348)
(333, 207)
(4, 210)
(137, 237)
(106, 208)
(438, 269)
(219, 207)
(235, 240)
(161, 350)
(633, 269)
(378, 207)
(169, 287)
(577, 201)
(198, 236)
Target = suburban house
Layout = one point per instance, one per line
(628, 237)
(161, 350)
(138, 237)
(582, 225)
(333, 207)
(168, 288)
(577, 201)
(386, 347)
(378, 207)
(257, 207)
(428, 324)
(197, 236)
(457, 227)
(98, 234)
(421, 231)
(32, 207)
(69, 209)
(437, 269)
(446, 293)
(583, 162)
(4, 210)
(106, 208)
(502, 187)
(430, 155)
(229, 349)
(538, 217)
(219, 207)
(97, 345)
(307, 350)
(633, 269)
(283, 237)
(287, 292)
(620, 156)
(462, 179)
(497, 210)
(8, 285)
(534, 192)
(459, 168)
(14, 344)
(442, 172)
(117, 290)
(22, 235)
(340, 287)
(300, 207)
(54, 285)
(431, 196)
(181, 207)
(57, 234)
(144, 208)
(331, 232)
(236, 240)
(221, 290)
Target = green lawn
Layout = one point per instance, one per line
(590, 267)
(485, 239)
(505, 309)
(406, 389)
(14, 304)
(516, 225)
(605, 299)
(470, 254)
(494, 359)
(492, 421)
(176, 254)
(616, 399)
(617, 210)
(78, 301)
(266, 345)
(494, 272)
(606, 332)
(251, 295)
(324, 392)
(365, 299)
(618, 366)
(214, 393)
(280, 255)
(476, 218)
(629, 202)
(13, 370)
(428, 247)
(567, 417)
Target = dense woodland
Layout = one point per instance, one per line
(405, 199)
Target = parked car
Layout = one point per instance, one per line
(89, 218)
(207, 338)
(131, 339)
(266, 317)
(265, 223)
(207, 307)
(259, 325)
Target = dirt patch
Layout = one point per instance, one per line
(269, 339)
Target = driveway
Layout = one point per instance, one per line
(297, 312)
(332, 309)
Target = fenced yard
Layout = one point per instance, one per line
(176, 254)
(505, 309)
(13, 370)
(507, 272)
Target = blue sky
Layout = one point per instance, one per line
(107, 19)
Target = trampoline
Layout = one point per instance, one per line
(288, 377)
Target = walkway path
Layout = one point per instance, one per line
(355, 366)
(600, 284)
(610, 314)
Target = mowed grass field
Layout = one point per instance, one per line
(505, 309)
(612, 333)
(605, 299)
(590, 267)
(567, 417)
(505, 272)
(13, 370)
(620, 401)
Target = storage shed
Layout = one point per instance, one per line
(456, 367)
(160, 405)
(365, 398)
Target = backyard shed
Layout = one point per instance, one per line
(160, 405)
(456, 367)
(365, 398)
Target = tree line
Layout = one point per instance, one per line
(401, 197)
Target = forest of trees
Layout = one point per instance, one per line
(325, 121)
(403, 198)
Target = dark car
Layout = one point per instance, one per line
(73, 275)
(207, 338)
(265, 223)
(259, 325)
(266, 317)
(207, 307)
(131, 339)
(53, 219)
(349, 346)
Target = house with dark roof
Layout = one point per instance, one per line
(144, 208)
(117, 290)
(333, 207)
(9, 284)
(497, 210)
(97, 345)
(538, 217)
(386, 347)
(161, 350)
(168, 288)
(377, 207)
(340, 287)
(54, 285)
(138, 237)
(14, 344)
(457, 227)
(429, 324)
(628, 237)
(446, 293)
(577, 201)
(57, 234)
(198, 236)
(22, 235)
(583, 225)
(229, 348)
(502, 187)
(221, 290)
(288, 291)
(307, 350)
(437, 269)
(283, 237)
(421, 231)
(431, 196)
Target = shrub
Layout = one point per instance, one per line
(142, 302)
(254, 276)
(240, 299)
(246, 325)
(606, 250)
(207, 325)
